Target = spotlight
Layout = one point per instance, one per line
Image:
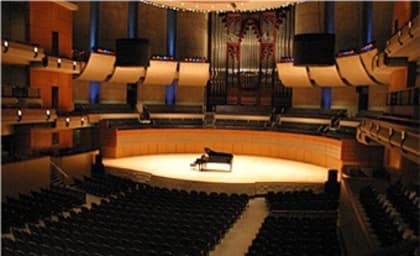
(5, 46)
(35, 51)
(48, 114)
(67, 121)
(82, 121)
(59, 63)
(74, 65)
(19, 114)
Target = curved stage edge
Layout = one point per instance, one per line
(250, 174)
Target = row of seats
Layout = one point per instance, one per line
(37, 205)
(299, 223)
(242, 124)
(144, 221)
(104, 185)
(289, 235)
(378, 213)
(301, 200)
(407, 203)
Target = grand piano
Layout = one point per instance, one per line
(211, 156)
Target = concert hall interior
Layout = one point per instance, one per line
(210, 127)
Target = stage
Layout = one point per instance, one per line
(250, 174)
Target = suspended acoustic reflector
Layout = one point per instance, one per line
(193, 74)
(98, 67)
(314, 49)
(352, 69)
(326, 76)
(161, 72)
(293, 76)
(128, 75)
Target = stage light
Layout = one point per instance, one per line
(74, 65)
(67, 121)
(59, 63)
(48, 114)
(5, 46)
(36, 51)
(82, 121)
(19, 114)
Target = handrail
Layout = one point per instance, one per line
(59, 169)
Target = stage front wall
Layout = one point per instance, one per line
(322, 151)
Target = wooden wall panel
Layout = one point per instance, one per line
(190, 95)
(311, 149)
(45, 80)
(152, 25)
(46, 17)
(24, 176)
(306, 97)
(41, 139)
(113, 93)
(348, 25)
(345, 98)
(192, 35)
(354, 153)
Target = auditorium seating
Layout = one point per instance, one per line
(102, 108)
(292, 235)
(39, 204)
(158, 108)
(378, 213)
(301, 200)
(315, 112)
(146, 221)
(407, 203)
(241, 124)
(104, 185)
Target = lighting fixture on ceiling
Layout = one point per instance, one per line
(220, 6)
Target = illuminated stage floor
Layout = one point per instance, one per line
(245, 169)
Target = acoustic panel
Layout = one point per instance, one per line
(353, 70)
(293, 76)
(161, 72)
(128, 75)
(368, 62)
(326, 76)
(193, 74)
(98, 67)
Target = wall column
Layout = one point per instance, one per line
(328, 28)
(132, 33)
(171, 44)
(93, 37)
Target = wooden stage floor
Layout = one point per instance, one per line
(245, 170)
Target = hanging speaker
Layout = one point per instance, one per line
(132, 52)
(314, 49)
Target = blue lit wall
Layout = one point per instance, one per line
(171, 46)
(329, 28)
(132, 19)
(367, 22)
(93, 35)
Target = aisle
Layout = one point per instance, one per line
(240, 236)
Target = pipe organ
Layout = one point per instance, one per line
(244, 50)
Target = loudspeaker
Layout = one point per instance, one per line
(314, 49)
(332, 175)
(132, 52)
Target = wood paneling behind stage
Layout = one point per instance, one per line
(321, 151)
